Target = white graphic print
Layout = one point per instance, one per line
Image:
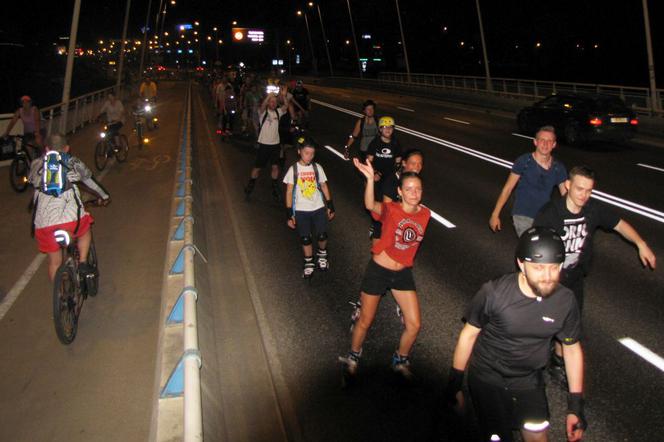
(408, 234)
(385, 152)
(576, 232)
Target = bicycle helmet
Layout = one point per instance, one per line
(386, 121)
(540, 245)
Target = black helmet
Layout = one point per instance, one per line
(541, 245)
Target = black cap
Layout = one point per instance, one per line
(541, 245)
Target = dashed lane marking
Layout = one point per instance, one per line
(648, 166)
(522, 136)
(405, 109)
(644, 352)
(456, 121)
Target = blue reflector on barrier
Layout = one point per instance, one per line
(177, 312)
(175, 385)
(180, 191)
(180, 210)
(179, 232)
(178, 266)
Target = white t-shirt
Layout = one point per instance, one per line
(307, 197)
(270, 129)
(114, 112)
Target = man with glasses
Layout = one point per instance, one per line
(534, 175)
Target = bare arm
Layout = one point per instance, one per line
(510, 184)
(326, 191)
(464, 347)
(628, 232)
(562, 189)
(368, 172)
(354, 134)
(263, 105)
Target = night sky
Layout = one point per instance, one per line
(512, 29)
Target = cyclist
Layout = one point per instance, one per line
(366, 129)
(66, 211)
(148, 89)
(302, 103)
(509, 326)
(390, 267)
(412, 161)
(309, 205)
(115, 116)
(31, 118)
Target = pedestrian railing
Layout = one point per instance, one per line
(180, 393)
(638, 98)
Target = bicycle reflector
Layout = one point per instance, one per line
(62, 237)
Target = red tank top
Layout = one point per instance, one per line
(402, 232)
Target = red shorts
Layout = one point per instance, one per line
(46, 241)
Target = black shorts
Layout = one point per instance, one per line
(305, 221)
(377, 279)
(500, 410)
(267, 154)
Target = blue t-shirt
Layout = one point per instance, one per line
(535, 184)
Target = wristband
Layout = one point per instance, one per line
(330, 205)
(575, 407)
(454, 384)
(289, 213)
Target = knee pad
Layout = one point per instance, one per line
(306, 240)
(322, 236)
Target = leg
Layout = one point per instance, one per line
(367, 315)
(410, 306)
(54, 262)
(531, 436)
(84, 246)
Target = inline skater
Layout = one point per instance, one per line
(534, 175)
(365, 129)
(413, 161)
(390, 267)
(575, 218)
(31, 119)
(505, 344)
(302, 104)
(58, 204)
(309, 206)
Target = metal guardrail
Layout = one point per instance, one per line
(184, 380)
(636, 97)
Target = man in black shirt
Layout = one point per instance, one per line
(575, 218)
(510, 324)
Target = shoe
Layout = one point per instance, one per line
(351, 362)
(401, 366)
(85, 270)
(321, 260)
(557, 371)
(309, 267)
(357, 306)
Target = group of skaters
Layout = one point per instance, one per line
(517, 326)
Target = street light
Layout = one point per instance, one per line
(311, 45)
(357, 51)
(322, 27)
(403, 39)
(489, 85)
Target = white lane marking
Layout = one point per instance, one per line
(18, 287)
(648, 166)
(336, 152)
(523, 136)
(27, 275)
(456, 121)
(405, 108)
(644, 352)
(442, 220)
(5, 163)
(630, 206)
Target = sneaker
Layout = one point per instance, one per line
(357, 306)
(401, 365)
(309, 267)
(321, 260)
(351, 362)
(557, 371)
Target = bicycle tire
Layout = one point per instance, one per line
(92, 284)
(123, 149)
(65, 318)
(101, 155)
(19, 169)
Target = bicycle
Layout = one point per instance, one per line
(19, 169)
(150, 108)
(70, 289)
(107, 146)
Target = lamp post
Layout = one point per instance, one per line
(122, 48)
(145, 37)
(403, 41)
(357, 50)
(70, 66)
(311, 45)
(216, 44)
(489, 85)
(654, 104)
(322, 27)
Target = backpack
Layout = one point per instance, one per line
(295, 175)
(54, 176)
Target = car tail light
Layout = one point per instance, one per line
(634, 122)
(218, 131)
(595, 121)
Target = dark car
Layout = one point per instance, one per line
(581, 118)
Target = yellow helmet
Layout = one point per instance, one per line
(386, 121)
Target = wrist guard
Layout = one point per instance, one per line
(575, 407)
(330, 205)
(289, 213)
(454, 384)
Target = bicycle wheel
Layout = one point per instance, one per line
(92, 283)
(65, 317)
(18, 173)
(101, 155)
(123, 149)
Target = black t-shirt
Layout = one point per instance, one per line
(301, 95)
(576, 230)
(385, 155)
(515, 342)
(390, 184)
